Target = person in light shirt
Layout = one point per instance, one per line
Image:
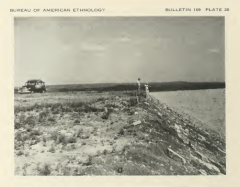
(139, 86)
(147, 91)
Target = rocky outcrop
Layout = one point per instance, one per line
(204, 144)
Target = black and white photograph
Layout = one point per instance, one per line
(119, 96)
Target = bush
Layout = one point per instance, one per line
(46, 170)
(72, 140)
(20, 153)
(132, 102)
(51, 119)
(44, 139)
(35, 132)
(88, 109)
(30, 120)
(54, 136)
(43, 114)
(89, 161)
(79, 133)
(121, 132)
(18, 125)
(101, 99)
(55, 111)
(62, 139)
(22, 118)
(105, 152)
(77, 121)
(18, 136)
(105, 116)
(34, 137)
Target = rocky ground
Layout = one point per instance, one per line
(83, 133)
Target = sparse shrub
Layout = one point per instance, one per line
(107, 114)
(85, 136)
(83, 143)
(73, 146)
(46, 170)
(55, 111)
(54, 136)
(18, 125)
(21, 137)
(121, 132)
(44, 139)
(18, 136)
(91, 109)
(89, 161)
(62, 139)
(98, 153)
(120, 170)
(28, 129)
(19, 153)
(72, 140)
(77, 121)
(79, 133)
(43, 114)
(78, 104)
(110, 106)
(52, 150)
(130, 112)
(22, 118)
(35, 132)
(30, 120)
(104, 151)
(132, 102)
(114, 150)
(26, 154)
(34, 139)
(51, 119)
(101, 99)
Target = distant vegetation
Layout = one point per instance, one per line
(154, 86)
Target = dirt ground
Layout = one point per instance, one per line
(91, 133)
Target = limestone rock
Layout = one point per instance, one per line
(175, 156)
(159, 114)
(204, 165)
(137, 122)
(203, 172)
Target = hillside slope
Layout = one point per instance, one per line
(110, 134)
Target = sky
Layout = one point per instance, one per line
(79, 50)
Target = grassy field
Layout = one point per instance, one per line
(207, 106)
(109, 133)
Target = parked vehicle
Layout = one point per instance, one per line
(32, 86)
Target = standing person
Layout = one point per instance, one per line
(147, 91)
(138, 89)
(139, 86)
